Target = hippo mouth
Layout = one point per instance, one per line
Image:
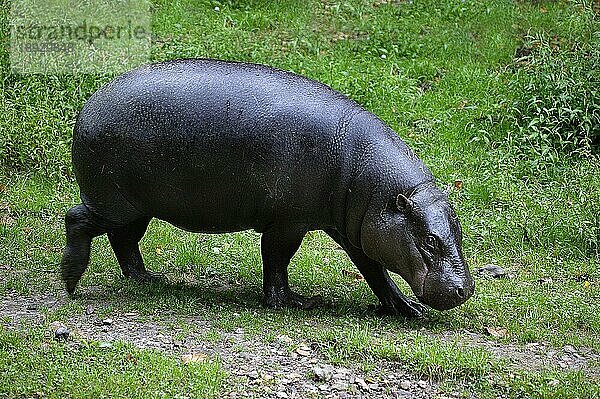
(444, 294)
(419, 277)
(416, 281)
(421, 290)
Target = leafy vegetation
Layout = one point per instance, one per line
(557, 107)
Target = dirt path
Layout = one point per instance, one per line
(280, 368)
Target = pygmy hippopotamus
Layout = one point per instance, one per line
(214, 146)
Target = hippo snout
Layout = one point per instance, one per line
(447, 295)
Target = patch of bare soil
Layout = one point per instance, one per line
(534, 355)
(281, 368)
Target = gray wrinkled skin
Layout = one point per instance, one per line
(213, 146)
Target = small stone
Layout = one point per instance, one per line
(493, 271)
(554, 383)
(105, 345)
(284, 338)
(217, 9)
(324, 387)
(61, 334)
(361, 383)
(89, 309)
(422, 384)
(339, 385)
(405, 384)
(323, 373)
(374, 386)
(194, 358)
(497, 332)
(107, 322)
(311, 387)
(303, 350)
(56, 324)
(253, 374)
(281, 394)
(569, 349)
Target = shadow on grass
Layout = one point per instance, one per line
(220, 296)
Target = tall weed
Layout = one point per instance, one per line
(557, 98)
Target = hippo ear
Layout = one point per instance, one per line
(403, 203)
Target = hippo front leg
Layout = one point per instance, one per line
(278, 245)
(392, 300)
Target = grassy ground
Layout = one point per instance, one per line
(438, 73)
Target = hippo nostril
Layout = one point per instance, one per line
(460, 292)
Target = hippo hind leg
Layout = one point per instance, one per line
(80, 228)
(125, 244)
(278, 246)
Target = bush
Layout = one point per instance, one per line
(557, 98)
(37, 117)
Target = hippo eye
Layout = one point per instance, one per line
(431, 241)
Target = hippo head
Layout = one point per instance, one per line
(418, 236)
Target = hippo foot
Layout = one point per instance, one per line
(146, 276)
(72, 268)
(403, 306)
(285, 298)
(70, 285)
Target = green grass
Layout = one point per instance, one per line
(536, 220)
(34, 365)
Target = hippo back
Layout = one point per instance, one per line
(214, 146)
